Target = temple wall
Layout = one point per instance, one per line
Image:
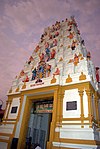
(57, 145)
(3, 145)
(71, 95)
(15, 104)
(8, 128)
(17, 132)
(59, 62)
(76, 133)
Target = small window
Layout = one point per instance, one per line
(14, 109)
(72, 105)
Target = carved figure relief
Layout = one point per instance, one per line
(41, 70)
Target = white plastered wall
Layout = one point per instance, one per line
(20, 119)
(3, 145)
(71, 95)
(15, 103)
(85, 104)
(74, 131)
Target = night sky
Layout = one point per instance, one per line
(23, 21)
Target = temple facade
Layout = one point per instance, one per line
(55, 99)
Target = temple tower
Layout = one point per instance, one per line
(55, 98)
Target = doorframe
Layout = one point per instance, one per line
(31, 96)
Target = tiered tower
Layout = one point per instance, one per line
(61, 67)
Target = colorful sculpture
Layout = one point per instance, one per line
(57, 34)
(70, 36)
(34, 74)
(88, 56)
(21, 74)
(46, 45)
(55, 42)
(26, 79)
(73, 45)
(48, 69)
(47, 55)
(57, 72)
(97, 74)
(30, 59)
(41, 70)
(37, 49)
(41, 56)
(76, 59)
(53, 53)
(50, 36)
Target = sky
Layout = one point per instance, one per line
(22, 23)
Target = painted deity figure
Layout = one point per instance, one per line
(41, 56)
(22, 73)
(48, 70)
(57, 25)
(73, 46)
(37, 49)
(47, 56)
(97, 74)
(70, 36)
(53, 53)
(46, 45)
(88, 56)
(57, 34)
(76, 59)
(55, 42)
(57, 72)
(50, 36)
(34, 74)
(30, 59)
(53, 28)
(26, 79)
(70, 28)
(41, 72)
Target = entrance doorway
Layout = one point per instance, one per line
(39, 124)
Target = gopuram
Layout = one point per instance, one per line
(55, 100)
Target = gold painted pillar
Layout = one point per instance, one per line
(88, 92)
(24, 124)
(60, 107)
(82, 108)
(9, 104)
(54, 120)
(6, 111)
(59, 113)
(20, 107)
